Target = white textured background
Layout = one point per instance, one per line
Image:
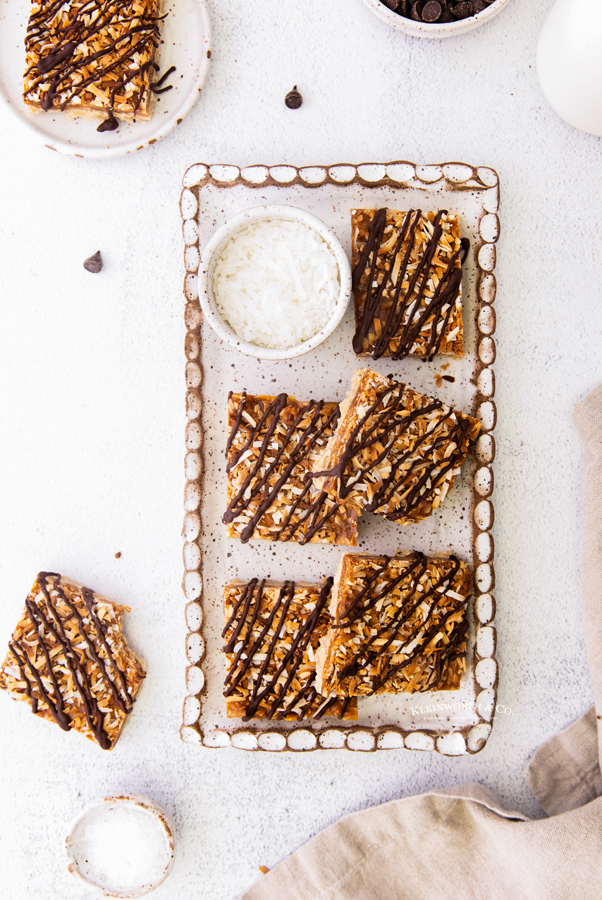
(92, 416)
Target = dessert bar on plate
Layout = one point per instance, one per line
(92, 58)
(272, 445)
(272, 633)
(394, 452)
(70, 661)
(407, 283)
(399, 624)
(450, 721)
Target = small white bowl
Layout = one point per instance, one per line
(209, 260)
(77, 844)
(434, 30)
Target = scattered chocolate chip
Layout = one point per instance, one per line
(93, 263)
(293, 99)
(462, 10)
(431, 11)
(118, 555)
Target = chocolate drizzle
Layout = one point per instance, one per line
(372, 661)
(67, 71)
(46, 620)
(109, 124)
(156, 85)
(371, 448)
(273, 469)
(254, 635)
(410, 310)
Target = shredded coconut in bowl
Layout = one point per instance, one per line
(276, 283)
(121, 848)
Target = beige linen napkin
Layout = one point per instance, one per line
(460, 843)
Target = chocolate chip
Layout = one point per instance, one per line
(93, 263)
(478, 6)
(462, 10)
(416, 11)
(431, 11)
(293, 99)
(392, 4)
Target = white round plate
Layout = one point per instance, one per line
(185, 44)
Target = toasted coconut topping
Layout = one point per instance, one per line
(70, 661)
(272, 633)
(395, 452)
(407, 283)
(273, 444)
(399, 625)
(92, 56)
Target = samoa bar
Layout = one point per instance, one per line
(394, 452)
(399, 624)
(407, 283)
(69, 659)
(272, 634)
(92, 57)
(273, 444)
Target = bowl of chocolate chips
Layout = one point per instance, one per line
(435, 18)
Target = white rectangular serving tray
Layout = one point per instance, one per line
(449, 722)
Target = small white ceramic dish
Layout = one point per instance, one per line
(185, 44)
(209, 260)
(434, 30)
(99, 818)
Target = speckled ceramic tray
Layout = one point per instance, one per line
(185, 44)
(450, 722)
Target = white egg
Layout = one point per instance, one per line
(569, 62)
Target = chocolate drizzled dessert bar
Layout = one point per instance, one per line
(399, 624)
(272, 633)
(92, 57)
(70, 661)
(407, 283)
(273, 444)
(394, 452)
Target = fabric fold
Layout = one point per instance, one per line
(587, 418)
(564, 773)
(457, 844)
